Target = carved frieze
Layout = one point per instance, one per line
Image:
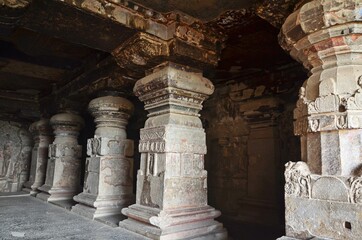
(328, 122)
(103, 146)
(65, 150)
(297, 179)
(300, 182)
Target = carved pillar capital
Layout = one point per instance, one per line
(325, 36)
(66, 123)
(170, 90)
(111, 117)
(41, 128)
(110, 111)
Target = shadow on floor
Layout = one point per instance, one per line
(247, 231)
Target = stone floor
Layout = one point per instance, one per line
(25, 217)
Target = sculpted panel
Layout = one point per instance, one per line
(15, 155)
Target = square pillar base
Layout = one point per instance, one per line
(31, 191)
(196, 223)
(49, 194)
(93, 207)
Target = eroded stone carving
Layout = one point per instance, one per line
(15, 156)
(297, 179)
(108, 181)
(356, 190)
(171, 199)
(62, 175)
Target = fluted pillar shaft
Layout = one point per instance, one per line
(63, 170)
(171, 198)
(108, 183)
(43, 136)
(323, 191)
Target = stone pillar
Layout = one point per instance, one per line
(171, 199)
(42, 135)
(63, 170)
(108, 183)
(323, 193)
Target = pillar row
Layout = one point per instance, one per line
(108, 183)
(322, 193)
(63, 170)
(171, 198)
(43, 136)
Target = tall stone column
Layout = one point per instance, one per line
(63, 170)
(108, 183)
(43, 136)
(171, 199)
(323, 193)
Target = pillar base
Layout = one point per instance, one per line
(31, 191)
(56, 194)
(92, 207)
(195, 223)
(32, 188)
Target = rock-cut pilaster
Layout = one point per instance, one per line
(171, 198)
(63, 170)
(43, 136)
(326, 36)
(108, 182)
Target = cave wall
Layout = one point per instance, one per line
(249, 131)
(15, 155)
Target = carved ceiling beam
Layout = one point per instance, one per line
(144, 51)
(161, 36)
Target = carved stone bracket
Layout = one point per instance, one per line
(143, 51)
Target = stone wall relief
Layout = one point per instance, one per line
(15, 155)
(299, 182)
(297, 179)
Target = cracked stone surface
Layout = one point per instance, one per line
(46, 221)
